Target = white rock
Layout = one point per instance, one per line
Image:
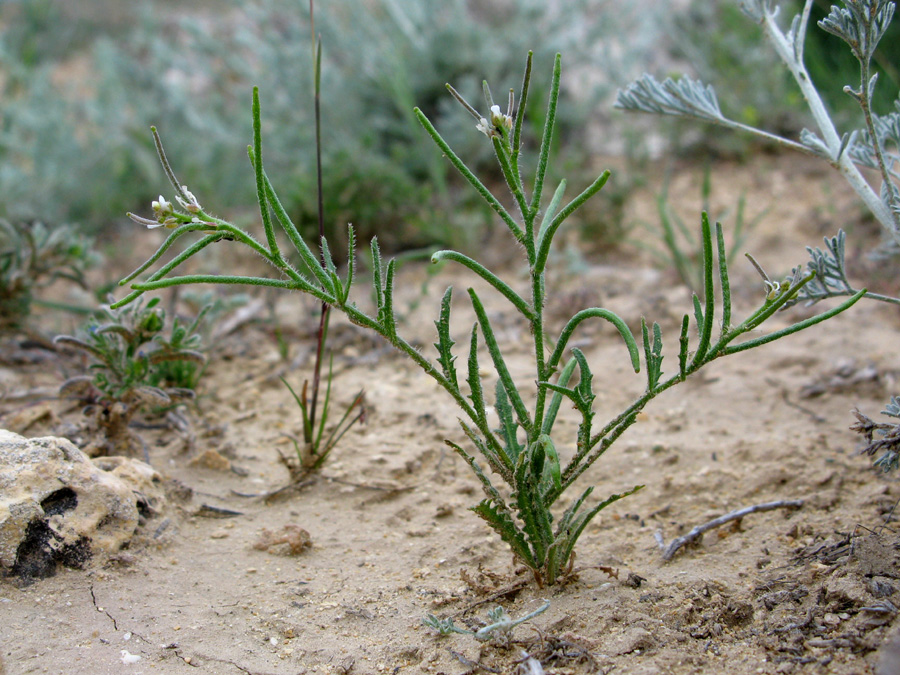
(57, 507)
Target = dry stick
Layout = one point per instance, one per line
(670, 550)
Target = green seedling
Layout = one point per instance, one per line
(523, 453)
(316, 446)
(134, 366)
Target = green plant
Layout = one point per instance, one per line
(316, 445)
(135, 365)
(32, 256)
(861, 24)
(522, 452)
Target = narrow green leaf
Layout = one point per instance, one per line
(565, 520)
(508, 426)
(474, 379)
(551, 476)
(797, 327)
(709, 295)
(377, 271)
(260, 182)
(595, 312)
(518, 301)
(504, 525)
(683, 346)
(556, 401)
(547, 138)
(580, 521)
(723, 278)
(445, 343)
(550, 231)
(499, 363)
(584, 387)
(698, 312)
(217, 279)
(351, 263)
(550, 211)
(652, 353)
(388, 320)
(309, 259)
(520, 111)
(327, 258)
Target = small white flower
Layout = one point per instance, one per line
(499, 120)
(162, 208)
(497, 123)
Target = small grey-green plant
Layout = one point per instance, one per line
(32, 256)
(134, 365)
(499, 624)
(861, 23)
(887, 443)
(876, 146)
(523, 454)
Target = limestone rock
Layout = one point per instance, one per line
(57, 507)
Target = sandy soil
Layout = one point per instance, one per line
(802, 590)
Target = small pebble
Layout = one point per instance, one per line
(128, 658)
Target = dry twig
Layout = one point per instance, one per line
(695, 534)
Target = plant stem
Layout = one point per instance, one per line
(322, 331)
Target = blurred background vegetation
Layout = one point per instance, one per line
(81, 83)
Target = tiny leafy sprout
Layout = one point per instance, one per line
(499, 624)
(134, 365)
(316, 446)
(523, 465)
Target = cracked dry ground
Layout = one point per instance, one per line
(795, 591)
